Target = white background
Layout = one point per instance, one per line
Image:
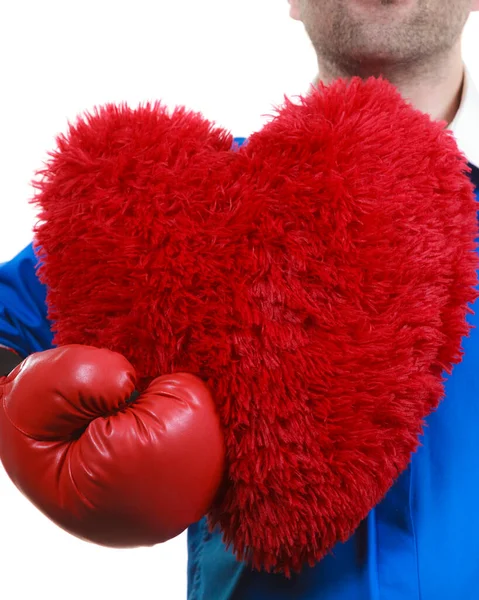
(230, 59)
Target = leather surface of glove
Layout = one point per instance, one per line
(107, 468)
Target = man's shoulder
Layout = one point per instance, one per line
(26, 255)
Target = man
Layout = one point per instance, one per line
(422, 541)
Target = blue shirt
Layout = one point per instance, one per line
(420, 543)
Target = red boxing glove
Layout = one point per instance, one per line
(107, 469)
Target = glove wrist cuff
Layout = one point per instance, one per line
(9, 359)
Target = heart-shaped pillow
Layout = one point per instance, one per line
(317, 279)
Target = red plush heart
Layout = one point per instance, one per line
(317, 279)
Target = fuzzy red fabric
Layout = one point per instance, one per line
(318, 279)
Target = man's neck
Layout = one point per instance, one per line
(434, 87)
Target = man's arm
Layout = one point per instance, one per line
(24, 326)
